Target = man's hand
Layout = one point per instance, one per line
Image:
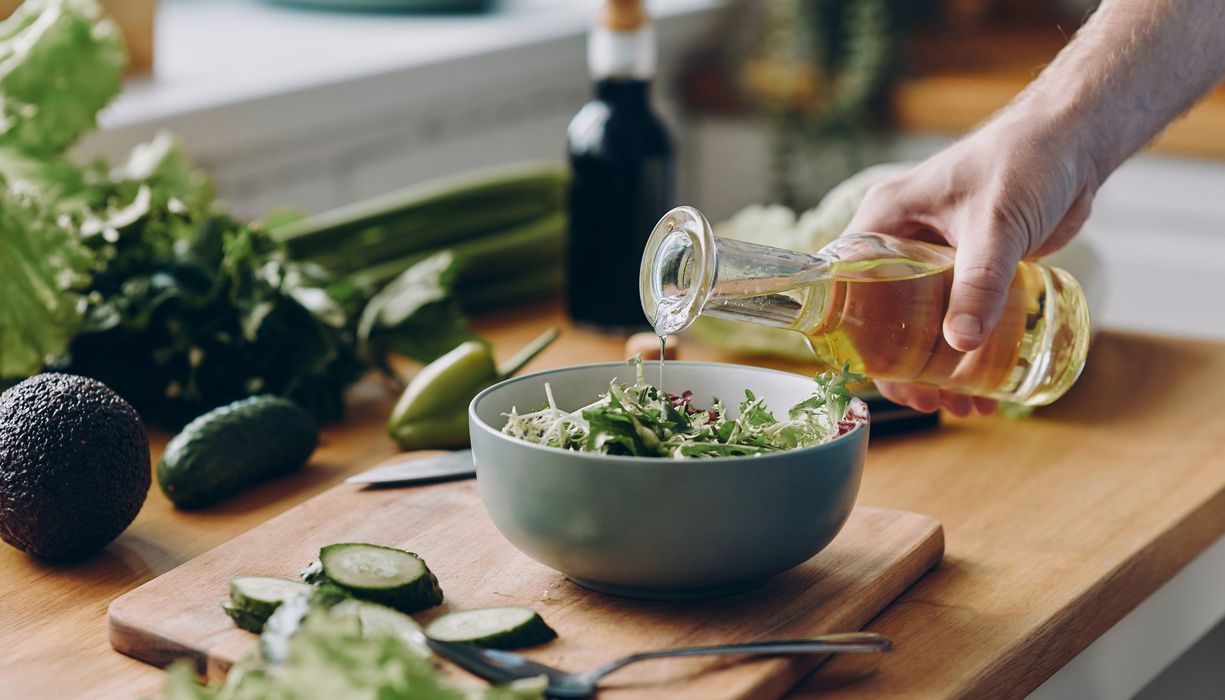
(1000, 195)
(1022, 184)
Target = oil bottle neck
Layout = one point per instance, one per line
(763, 285)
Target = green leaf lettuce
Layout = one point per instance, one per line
(41, 264)
(61, 62)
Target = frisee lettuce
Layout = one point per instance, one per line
(637, 421)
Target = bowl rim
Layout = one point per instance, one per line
(474, 419)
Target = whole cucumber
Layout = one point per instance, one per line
(233, 446)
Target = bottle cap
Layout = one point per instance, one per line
(624, 15)
(622, 44)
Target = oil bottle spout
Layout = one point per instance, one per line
(687, 271)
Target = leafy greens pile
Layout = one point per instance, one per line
(638, 421)
(134, 275)
(312, 651)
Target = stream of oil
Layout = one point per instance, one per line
(667, 315)
(663, 347)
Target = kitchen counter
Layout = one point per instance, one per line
(1057, 527)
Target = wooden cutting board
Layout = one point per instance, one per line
(877, 555)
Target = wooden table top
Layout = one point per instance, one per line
(1056, 527)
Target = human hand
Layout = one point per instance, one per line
(1007, 192)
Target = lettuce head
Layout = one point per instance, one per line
(41, 266)
(61, 62)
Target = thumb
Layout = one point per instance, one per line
(982, 274)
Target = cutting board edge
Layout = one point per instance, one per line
(114, 611)
(931, 552)
(157, 649)
(131, 641)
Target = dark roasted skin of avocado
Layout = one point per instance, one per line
(74, 465)
(234, 446)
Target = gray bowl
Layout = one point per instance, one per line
(662, 528)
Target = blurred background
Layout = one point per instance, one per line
(313, 105)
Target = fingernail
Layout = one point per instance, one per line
(967, 326)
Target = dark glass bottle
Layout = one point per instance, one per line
(622, 180)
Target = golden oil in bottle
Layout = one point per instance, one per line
(875, 302)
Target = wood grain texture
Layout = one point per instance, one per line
(878, 555)
(1055, 526)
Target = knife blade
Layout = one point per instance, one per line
(408, 469)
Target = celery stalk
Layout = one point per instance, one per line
(425, 218)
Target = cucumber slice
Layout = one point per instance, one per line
(508, 627)
(259, 596)
(381, 574)
(243, 619)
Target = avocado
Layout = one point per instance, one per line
(74, 465)
(231, 447)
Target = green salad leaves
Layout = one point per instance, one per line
(188, 309)
(311, 650)
(638, 421)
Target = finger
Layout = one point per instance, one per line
(959, 405)
(982, 273)
(985, 407)
(887, 209)
(920, 398)
(877, 211)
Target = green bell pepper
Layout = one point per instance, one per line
(432, 413)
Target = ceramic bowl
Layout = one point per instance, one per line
(662, 528)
